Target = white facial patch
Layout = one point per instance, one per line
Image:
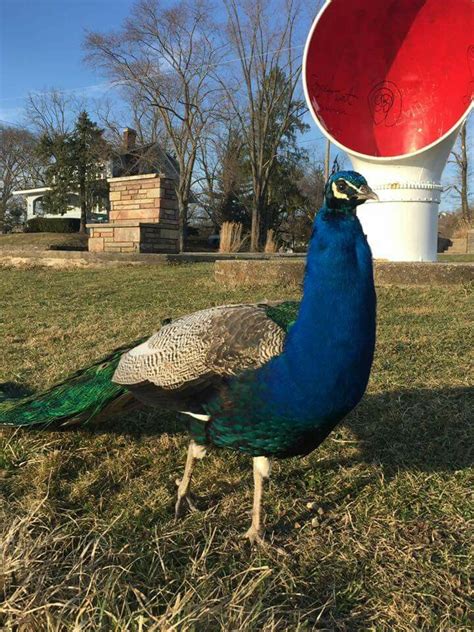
(343, 196)
(338, 194)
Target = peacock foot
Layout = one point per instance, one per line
(254, 537)
(183, 504)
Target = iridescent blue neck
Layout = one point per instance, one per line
(328, 351)
(339, 261)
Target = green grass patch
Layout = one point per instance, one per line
(376, 524)
(467, 258)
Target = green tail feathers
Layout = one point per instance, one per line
(79, 398)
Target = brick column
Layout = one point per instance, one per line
(149, 198)
(137, 202)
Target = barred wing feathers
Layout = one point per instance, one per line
(186, 361)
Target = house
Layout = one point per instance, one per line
(34, 205)
(143, 214)
(129, 160)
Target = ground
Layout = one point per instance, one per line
(42, 241)
(375, 523)
(456, 258)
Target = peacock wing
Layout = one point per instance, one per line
(185, 362)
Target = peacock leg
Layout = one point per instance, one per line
(261, 471)
(195, 452)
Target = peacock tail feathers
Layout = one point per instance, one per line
(81, 397)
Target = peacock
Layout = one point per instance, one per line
(267, 380)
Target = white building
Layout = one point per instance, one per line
(34, 206)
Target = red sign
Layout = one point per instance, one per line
(390, 77)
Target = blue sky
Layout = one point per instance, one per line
(41, 47)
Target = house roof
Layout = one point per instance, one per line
(143, 159)
(36, 191)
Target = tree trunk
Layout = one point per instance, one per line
(180, 233)
(182, 216)
(255, 230)
(265, 225)
(259, 213)
(3, 210)
(82, 197)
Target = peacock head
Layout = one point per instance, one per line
(347, 189)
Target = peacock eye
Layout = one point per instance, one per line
(341, 185)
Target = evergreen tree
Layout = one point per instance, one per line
(89, 151)
(231, 182)
(226, 187)
(75, 166)
(55, 152)
(283, 194)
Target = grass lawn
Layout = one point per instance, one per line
(376, 524)
(467, 258)
(42, 241)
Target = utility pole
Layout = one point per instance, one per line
(327, 160)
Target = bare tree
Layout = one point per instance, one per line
(52, 112)
(166, 57)
(461, 160)
(17, 163)
(263, 93)
(135, 112)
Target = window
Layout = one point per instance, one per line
(38, 207)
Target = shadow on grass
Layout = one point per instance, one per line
(421, 429)
(14, 390)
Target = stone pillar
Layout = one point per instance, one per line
(136, 204)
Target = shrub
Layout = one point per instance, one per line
(53, 225)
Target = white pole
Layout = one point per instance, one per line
(403, 224)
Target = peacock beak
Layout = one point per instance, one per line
(366, 193)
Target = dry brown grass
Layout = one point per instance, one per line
(231, 237)
(376, 524)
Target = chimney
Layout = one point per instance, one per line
(129, 138)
